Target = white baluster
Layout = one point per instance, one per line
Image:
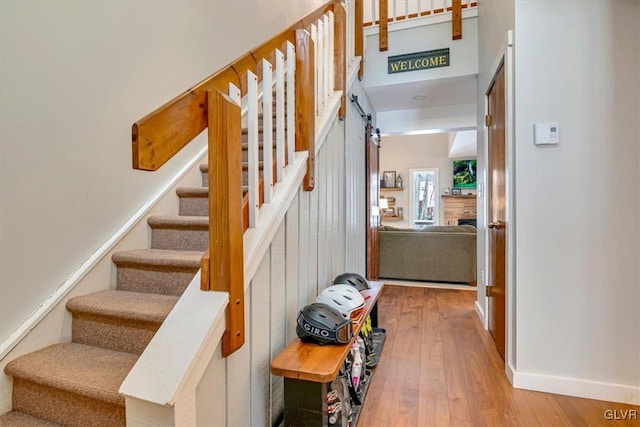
(267, 129)
(314, 37)
(291, 101)
(252, 139)
(327, 70)
(374, 6)
(320, 67)
(234, 94)
(350, 32)
(332, 66)
(280, 130)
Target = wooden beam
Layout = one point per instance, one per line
(340, 56)
(305, 103)
(359, 34)
(384, 25)
(226, 263)
(456, 20)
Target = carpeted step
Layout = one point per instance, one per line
(118, 320)
(71, 384)
(245, 177)
(179, 233)
(156, 271)
(194, 201)
(20, 419)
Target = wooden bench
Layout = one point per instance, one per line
(308, 369)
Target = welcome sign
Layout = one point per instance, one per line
(418, 61)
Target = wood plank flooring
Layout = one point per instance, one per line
(440, 368)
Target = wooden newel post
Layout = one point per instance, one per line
(305, 103)
(359, 34)
(340, 55)
(226, 265)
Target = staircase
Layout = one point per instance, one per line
(77, 383)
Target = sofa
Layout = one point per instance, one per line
(434, 253)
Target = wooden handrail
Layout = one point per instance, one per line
(162, 133)
(226, 268)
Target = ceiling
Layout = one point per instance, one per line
(436, 93)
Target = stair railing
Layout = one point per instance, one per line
(404, 9)
(318, 49)
(398, 10)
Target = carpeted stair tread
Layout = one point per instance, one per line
(179, 222)
(202, 192)
(20, 419)
(137, 306)
(76, 368)
(158, 257)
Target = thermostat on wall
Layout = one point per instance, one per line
(546, 133)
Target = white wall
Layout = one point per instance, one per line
(578, 203)
(495, 18)
(401, 153)
(450, 117)
(75, 77)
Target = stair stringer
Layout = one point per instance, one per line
(51, 322)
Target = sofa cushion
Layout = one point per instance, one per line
(391, 228)
(450, 228)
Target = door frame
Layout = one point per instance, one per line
(505, 54)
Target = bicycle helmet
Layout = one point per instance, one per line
(354, 279)
(321, 324)
(344, 298)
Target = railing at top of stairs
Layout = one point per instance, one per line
(312, 53)
(383, 12)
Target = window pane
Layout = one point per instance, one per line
(424, 196)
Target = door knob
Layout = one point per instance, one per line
(496, 224)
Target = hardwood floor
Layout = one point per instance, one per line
(440, 368)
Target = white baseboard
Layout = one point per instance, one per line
(509, 371)
(576, 387)
(480, 312)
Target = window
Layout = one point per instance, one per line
(424, 196)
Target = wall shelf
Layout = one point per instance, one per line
(391, 188)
